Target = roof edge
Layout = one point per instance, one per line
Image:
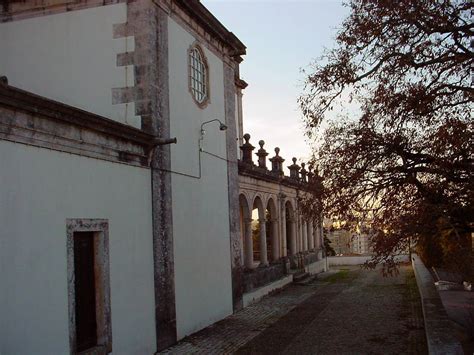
(212, 25)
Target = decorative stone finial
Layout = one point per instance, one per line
(310, 173)
(277, 163)
(294, 168)
(262, 155)
(247, 149)
(303, 173)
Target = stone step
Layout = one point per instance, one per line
(300, 277)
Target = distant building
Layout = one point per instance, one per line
(340, 241)
(360, 243)
(347, 242)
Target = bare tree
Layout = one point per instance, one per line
(404, 159)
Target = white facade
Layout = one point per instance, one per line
(75, 53)
(200, 201)
(39, 190)
(71, 57)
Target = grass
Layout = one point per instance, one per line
(342, 275)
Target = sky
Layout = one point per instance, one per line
(282, 37)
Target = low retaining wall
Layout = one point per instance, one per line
(316, 267)
(438, 327)
(259, 277)
(358, 260)
(261, 282)
(347, 260)
(257, 294)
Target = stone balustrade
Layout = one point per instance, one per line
(298, 173)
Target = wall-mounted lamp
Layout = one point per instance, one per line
(222, 126)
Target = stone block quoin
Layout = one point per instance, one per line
(140, 27)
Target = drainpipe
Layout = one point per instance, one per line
(159, 141)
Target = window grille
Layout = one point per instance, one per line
(198, 75)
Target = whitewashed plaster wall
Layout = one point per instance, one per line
(71, 57)
(39, 189)
(200, 206)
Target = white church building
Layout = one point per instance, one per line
(126, 187)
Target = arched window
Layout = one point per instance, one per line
(198, 75)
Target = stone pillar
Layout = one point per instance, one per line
(321, 236)
(263, 242)
(275, 240)
(294, 170)
(303, 173)
(310, 235)
(304, 235)
(293, 249)
(248, 244)
(300, 234)
(283, 233)
(262, 156)
(277, 163)
(316, 237)
(310, 174)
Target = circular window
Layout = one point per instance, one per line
(198, 82)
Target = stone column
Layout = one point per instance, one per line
(248, 244)
(275, 240)
(304, 235)
(263, 243)
(316, 237)
(283, 234)
(300, 234)
(293, 249)
(310, 235)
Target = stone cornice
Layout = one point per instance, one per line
(212, 25)
(32, 119)
(18, 10)
(14, 10)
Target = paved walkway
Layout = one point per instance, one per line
(352, 311)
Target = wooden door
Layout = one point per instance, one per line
(85, 293)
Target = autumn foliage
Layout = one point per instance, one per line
(401, 157)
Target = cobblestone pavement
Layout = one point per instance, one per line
(352, 311)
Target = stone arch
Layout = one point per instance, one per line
(271, 206)
(246, 230)
(257, 203)
(244, 205)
